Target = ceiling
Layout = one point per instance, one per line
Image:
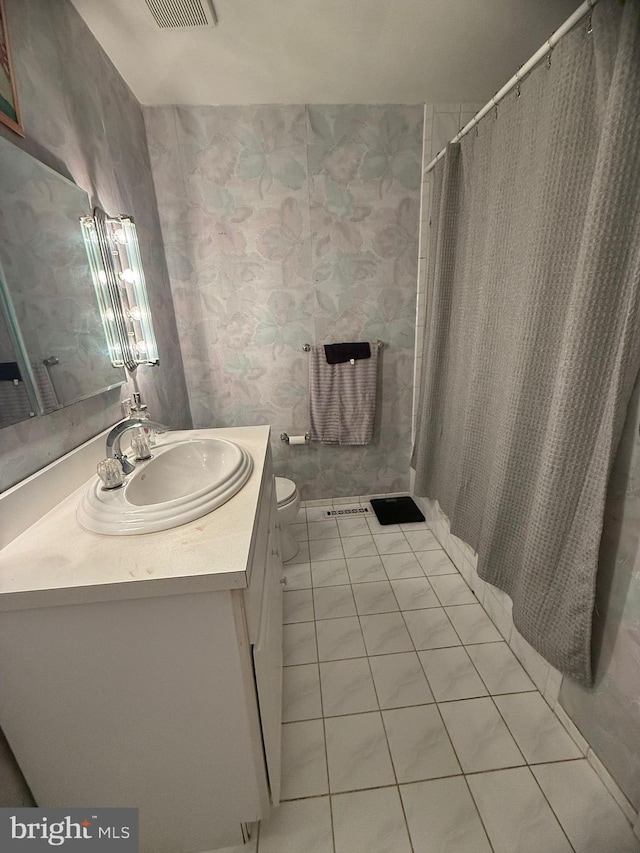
(335, 51)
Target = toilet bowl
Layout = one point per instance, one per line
(288, 505)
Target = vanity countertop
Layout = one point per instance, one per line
(56, 562)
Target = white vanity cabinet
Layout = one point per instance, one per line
(163, 691)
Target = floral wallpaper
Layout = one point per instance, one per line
(81, 119)
(286, 225)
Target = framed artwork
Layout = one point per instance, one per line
(9, 106)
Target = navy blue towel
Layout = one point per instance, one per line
(338, 353)
(9, 371)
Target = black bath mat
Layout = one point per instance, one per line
(396, 510)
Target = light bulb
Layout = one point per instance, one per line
(119, 236)
(135, 313)
(109, 314)
(102, 277)
(141, 346)
(128, 275)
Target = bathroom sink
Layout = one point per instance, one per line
(183, 480)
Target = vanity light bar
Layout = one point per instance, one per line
(138, 311)
(118, 278)
(100, 283)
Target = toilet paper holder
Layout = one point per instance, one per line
(284, 437)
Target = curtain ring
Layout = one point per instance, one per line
(477, 130)
(518, 92)
(549, 57)
(496, 112)
(590, 19)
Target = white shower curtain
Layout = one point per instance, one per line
(532, 340)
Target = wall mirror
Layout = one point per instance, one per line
(53, 350)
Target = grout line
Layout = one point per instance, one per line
(324, 733)
(478, 812)
(380, 711)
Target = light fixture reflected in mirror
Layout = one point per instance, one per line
(118, 277)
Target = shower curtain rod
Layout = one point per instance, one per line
(546, 48)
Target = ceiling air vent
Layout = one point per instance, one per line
(182, 14)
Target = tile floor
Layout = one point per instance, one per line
(408, 724)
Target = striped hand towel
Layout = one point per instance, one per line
(342, 398)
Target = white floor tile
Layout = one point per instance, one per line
(357, 753)
(431, 629)
(391, 543)
(422, 540)
(329, 573)
(299, 643)
(297, 606)
(402, 566)
(301, 516)
(420, 748)
(359, 546)
(499, 668)
(442, 817)
(376, 597)
(385, 633)
(515, 813)
(339, 639)
(347, 687)
(299, 531)
(479, 735)
(302, 825)
(588, 813)
(451, 589)
(436, 563)
(301, 693)
(297, 575)
(451, 674)
(333, 602)
(369, 822)
(353, 526)
(472, 624)
(301, 557)
(538, 732)
(400, 680)
(304, 766)
(323, 529)
(414, 593)
(326, 549)
(365, 569)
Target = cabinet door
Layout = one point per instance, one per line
(267, 656)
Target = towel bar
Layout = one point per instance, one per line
(307, 347)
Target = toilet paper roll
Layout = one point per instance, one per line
(297, 439)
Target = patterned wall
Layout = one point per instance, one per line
(81, 119)
(285, 225)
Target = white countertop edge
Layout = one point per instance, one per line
(126, 591)
(55, 562)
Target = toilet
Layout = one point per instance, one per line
(288, 505)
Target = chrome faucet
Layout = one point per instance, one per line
(115, 436)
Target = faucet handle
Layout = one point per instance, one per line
(141, 443)
(110, 472)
